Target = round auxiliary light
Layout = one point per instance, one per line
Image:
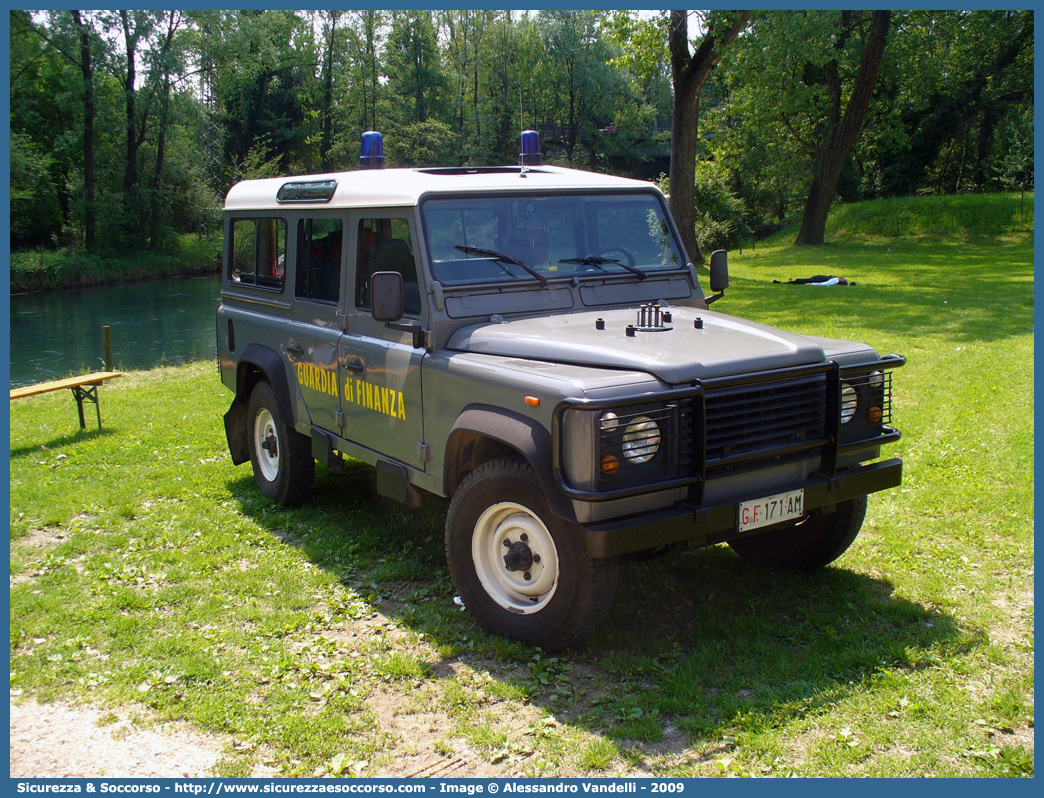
(372, 150)
(849, 401)
(608, 422)
(876, 379)
(641, 440)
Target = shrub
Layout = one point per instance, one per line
(721, 216)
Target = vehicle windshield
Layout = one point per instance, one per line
(508, 238)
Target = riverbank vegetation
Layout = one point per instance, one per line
(129, 127)
(45, 269)
(149, 573)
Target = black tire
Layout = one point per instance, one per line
(811, 543)
(502, 500)
(280, 456)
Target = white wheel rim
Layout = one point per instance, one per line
(264, 429)
(498, 529)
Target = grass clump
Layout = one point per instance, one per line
(597, 755)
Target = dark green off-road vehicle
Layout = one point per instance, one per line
(533, 342)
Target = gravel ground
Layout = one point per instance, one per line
(59, 741)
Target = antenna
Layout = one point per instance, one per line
(521, 126)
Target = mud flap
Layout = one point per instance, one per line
(323, 450)
(236, 432)
(394, 483)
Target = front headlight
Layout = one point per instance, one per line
(625, 447)
(849, 403)
(641, 440)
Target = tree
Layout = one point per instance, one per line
(87, 71)
(136, 25)
(577, 72)
(503, 62)
(330, 63)
(42, 92)
(463, 33)
(413, 67)
(689, 74)
(165, 64)
(265, 64)
(839, 131)
(368, 65)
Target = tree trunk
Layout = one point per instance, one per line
(86, 69)
(157, 177)
(685, 119)
(326, 112)
(842, 133)
(161, 139)
(689, 73)
(130, 167)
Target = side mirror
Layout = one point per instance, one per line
(719, 275)
(719, 270)
(386, 296)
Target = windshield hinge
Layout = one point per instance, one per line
(438, 295)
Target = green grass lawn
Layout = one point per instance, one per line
(150, 574)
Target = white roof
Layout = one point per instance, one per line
(398, 187)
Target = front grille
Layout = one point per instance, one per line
(754, 423)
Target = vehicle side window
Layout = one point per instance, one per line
(319, 259)
(385, 246)
(258, 252)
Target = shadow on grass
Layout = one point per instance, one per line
(79, 436)
(696, 646)
(965, 292)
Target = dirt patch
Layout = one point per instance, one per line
(60, 741)
(417, 732)
(47, 537)
(1019, 611)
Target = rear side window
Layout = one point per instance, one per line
(258, 252)
(319, 259)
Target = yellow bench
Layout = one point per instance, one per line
(83, 387)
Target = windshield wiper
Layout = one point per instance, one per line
(598, 260)
(492, 253)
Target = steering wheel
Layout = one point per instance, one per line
(622, 250)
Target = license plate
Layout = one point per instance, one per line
(771, 510)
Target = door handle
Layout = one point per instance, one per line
(294, 349)
(354, 364)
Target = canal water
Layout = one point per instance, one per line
(58, 333)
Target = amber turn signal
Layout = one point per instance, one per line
(873, 415)
(533, 400)
(610, 465)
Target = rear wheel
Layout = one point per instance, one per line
(521, 570)
(280, 456)
(818, 539)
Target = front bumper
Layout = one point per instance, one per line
(709, 524)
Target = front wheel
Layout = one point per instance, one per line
(818, 539)
(280, 456)
(521, 571)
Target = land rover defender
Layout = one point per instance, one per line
(533, 342)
